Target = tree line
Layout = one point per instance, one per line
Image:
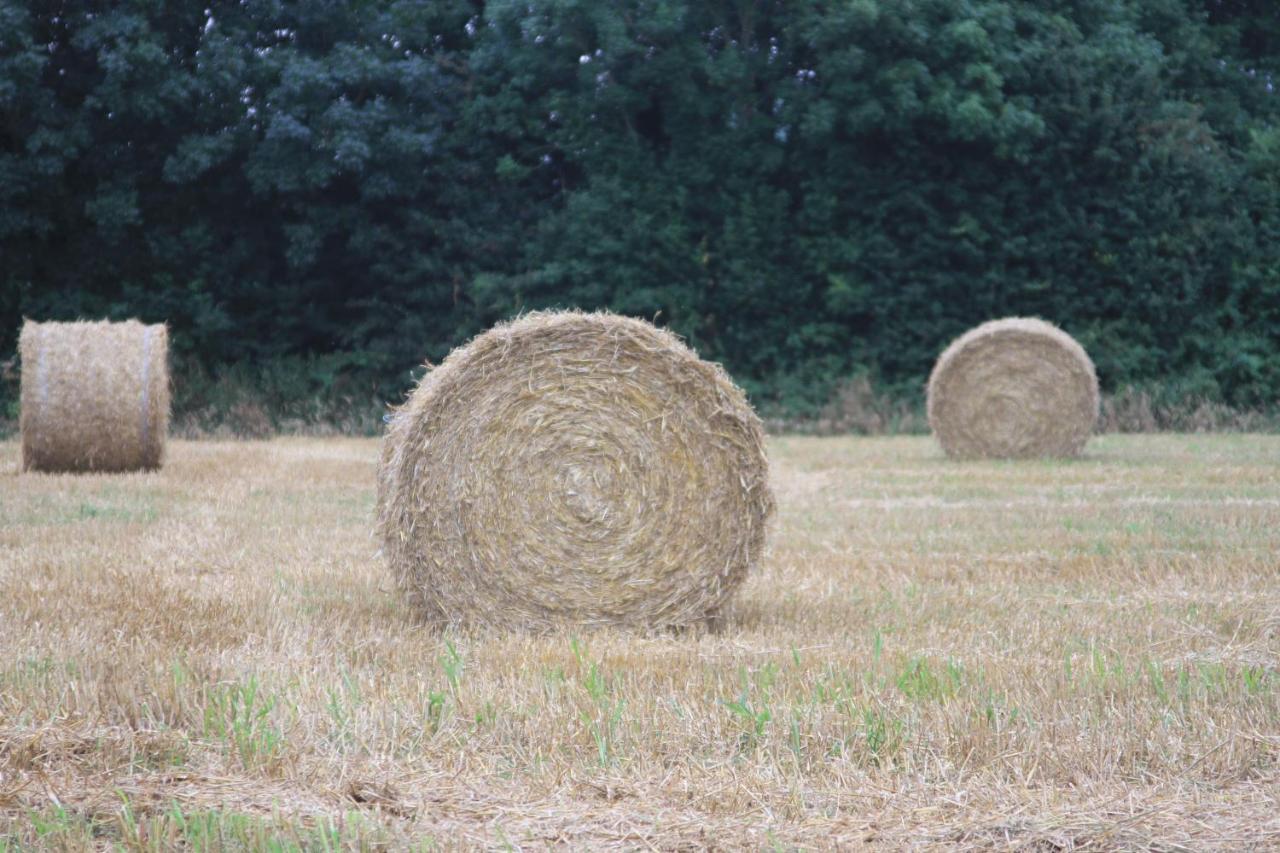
(317, 197)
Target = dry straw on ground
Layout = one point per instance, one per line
(571, 468)
(95, 396)
(207, 658)
(1013, 388)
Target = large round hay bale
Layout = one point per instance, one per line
(1013, 389)
(573, 469)
(95, 396)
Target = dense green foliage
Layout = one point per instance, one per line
(318, 196)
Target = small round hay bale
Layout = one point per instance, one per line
(1015, 388)
(573, 469)
(95, 396)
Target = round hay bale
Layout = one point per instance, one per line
(1016, 388)
(573, 469)
(95, 396)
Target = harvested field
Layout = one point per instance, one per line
(943, 654)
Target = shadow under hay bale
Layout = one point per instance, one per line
(573, 469)
(94, 396)
(1015, 388)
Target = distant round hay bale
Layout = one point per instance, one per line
(573, 469)
(95, 396)
(1013, 389)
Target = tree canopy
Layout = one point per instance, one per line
(806, 191)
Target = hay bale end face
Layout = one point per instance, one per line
(573, 469)
(95, 396)
(1015, 388)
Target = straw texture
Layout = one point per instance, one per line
(95, 396)
(573, 469)
(1014, 388)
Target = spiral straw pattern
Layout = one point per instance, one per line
(573, 469)
(1015, 388)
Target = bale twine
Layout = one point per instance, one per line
(1015, 388)
(573, 469)
(95, 396)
